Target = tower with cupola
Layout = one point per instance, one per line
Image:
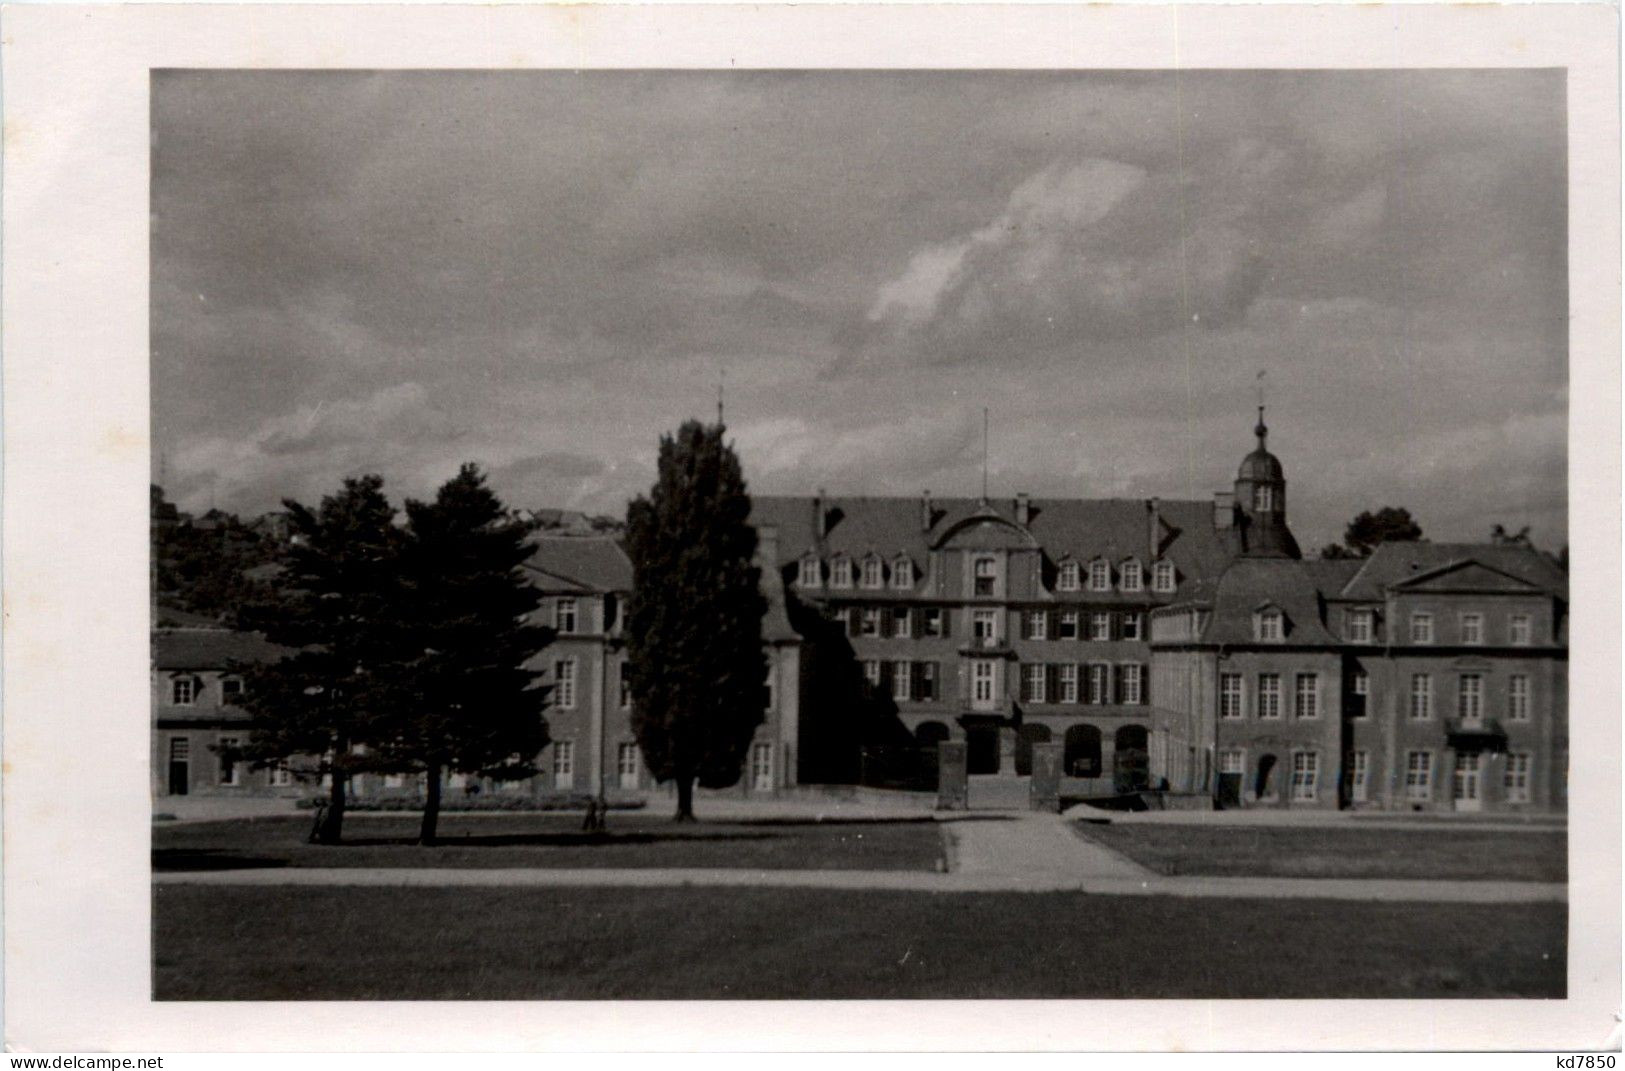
(1260, 502)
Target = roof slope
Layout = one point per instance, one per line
(1394, 563)
(1081, 529)
(581, 563)
(210, 648)
(1252, 583)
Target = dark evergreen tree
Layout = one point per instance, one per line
(206, 566)
(1387, 525)
(337, 605)
(1334, 551)
(694, 627)
(467, 702)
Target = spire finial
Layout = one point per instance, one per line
(984, 455)
(1261, 430)
(722, 374)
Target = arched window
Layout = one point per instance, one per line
(811, 573)
(1081, 753)
(840, 573)
(872, 573)
(1068, 578)
(1265, 785)
(1026, 737)
(1100, 576)
(1133, 578)
(1163, 577)
(1263, 498)
(902, 574)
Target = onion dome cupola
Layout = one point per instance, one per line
(1261, 501)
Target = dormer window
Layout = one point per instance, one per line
(1359, 626)
(840, 573)
(811, 573)
(986, 576)
(1067, 580)
(1162, 578)
(185, 691)
(1133, 578)
(1263, 498)
(564, 616)
(873, 573)
(1100, 576)
(1269, 625)
(231, 690)
(902, 574)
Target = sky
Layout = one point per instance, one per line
(542, 272)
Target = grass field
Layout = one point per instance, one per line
(555, 840)
(1309, 852)
(284, 943)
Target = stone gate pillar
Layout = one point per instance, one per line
(1044, 790)
(952, 785)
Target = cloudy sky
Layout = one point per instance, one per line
(541, 272)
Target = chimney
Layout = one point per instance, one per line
(1224, 505)
(1024, 508)
(1155, 505)
(767, 547)
(819, 517)
(927, 511)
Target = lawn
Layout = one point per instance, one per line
(1338, 852)
(351, 943)
(555, 840)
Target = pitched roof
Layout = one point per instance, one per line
(210, 648)
(580, 563)
(1395, 563)
(1250, 583)
(1081, 529)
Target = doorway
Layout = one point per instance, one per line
(180, 753)
(1131, 765)
(1466, 784)
(982, 750)
(1026, 737)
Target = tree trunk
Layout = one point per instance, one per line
(685, 798)
(333, 818)
(431, 806)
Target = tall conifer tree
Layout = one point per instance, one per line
(694, 627)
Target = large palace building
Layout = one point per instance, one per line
(1177, 646)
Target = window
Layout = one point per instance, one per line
(840, 573)
(1232, 762)
(871, 671)
(231, 689)
(985, 627)
(626, 765)
(1269, 695)
(1418, 775)
(1421, 628)
(1130, 684)
(1162, 578)
(932, 619)
(901, 681)
(1360, 686)
(772, 682)
(811, 573)
(1470, 697)
(1518, 630)
(869, 621)
(1359, 775)
(1305, 774)
(1362, 682)
(1517, 777)
(1472, 628)
(228, 764)
(394, 780)
(1100, 576)
(1421, 696)
(1230, 691)
(1263, 498)
(279, 776)
(564, 615)
(1306, 697)
(1130, 626)
(1066, 627)
(761, 767)
(1518, 697)
(1068, 577)
(1100, 626)
(564, 684)
(185, 691)
(873, 574)
(1358, 626)
(1069, 682)
(902, 622)
(902, 574)
(982, 681)
(564, 764)
(1268, 625)
(1133, 576)
(625, 679)
(1032, 683)
(925, 677)
(985, 579)
(1037, 625)
(1099, 677)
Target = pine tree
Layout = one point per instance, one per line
(466, 702)
(337, 605)
(694, 626)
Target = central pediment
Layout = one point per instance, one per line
(1464, 578)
